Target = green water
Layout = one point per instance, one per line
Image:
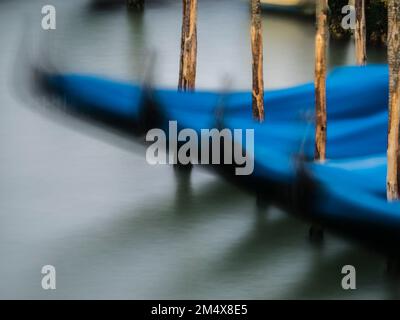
(83, 199)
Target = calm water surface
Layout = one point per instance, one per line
(83, 199)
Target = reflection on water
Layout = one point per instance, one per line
(84, 200)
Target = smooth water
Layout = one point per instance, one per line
(83, 198)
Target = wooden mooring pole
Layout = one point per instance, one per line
(135, 4)
(360, 33)
(321, 39)
(188, 59)
(316, 233)
(257, 53)
(394, 101)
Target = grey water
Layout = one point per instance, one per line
(83, 199)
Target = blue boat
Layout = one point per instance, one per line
(347, 193)
(352, 92)
(350, 197)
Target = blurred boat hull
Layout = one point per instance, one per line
(346, 194)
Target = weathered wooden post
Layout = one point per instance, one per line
(316, 233)
(188, 60)
(135, 4)
(360, 33)
(257, 53)
(320, 79)
(394, 101)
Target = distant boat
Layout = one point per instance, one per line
(306, 7)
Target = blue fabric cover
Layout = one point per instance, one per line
(352, 180)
